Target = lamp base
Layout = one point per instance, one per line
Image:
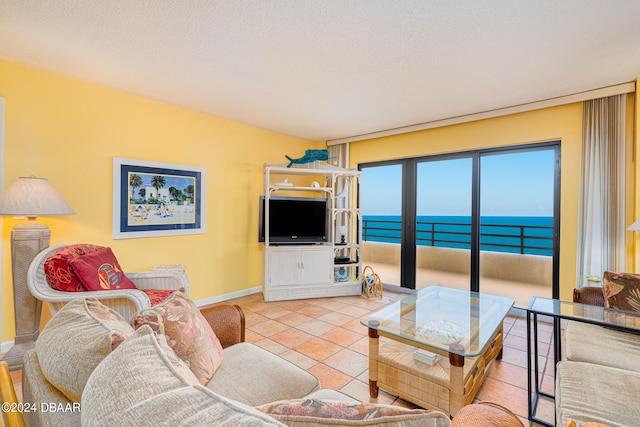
(27, 240)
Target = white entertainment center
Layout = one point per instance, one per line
(331, 267)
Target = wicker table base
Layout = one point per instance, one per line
(448, 385)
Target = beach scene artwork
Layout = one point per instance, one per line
(161, 199)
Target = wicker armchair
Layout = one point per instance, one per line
(124, 301)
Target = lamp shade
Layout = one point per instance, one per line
(31, 197)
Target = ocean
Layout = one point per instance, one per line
(515, 234)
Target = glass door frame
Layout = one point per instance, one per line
(408, 248)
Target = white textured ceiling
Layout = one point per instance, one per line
(325, 69)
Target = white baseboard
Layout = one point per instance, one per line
(226, 297)
(6, 345)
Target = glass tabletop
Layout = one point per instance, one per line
(596, 315)
(456, 321)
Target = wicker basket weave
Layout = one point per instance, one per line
(485, 414)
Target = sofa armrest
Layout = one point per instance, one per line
(227, 321)
(591, 295)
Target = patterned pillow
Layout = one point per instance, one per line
(59, 274)
(312, 412)
(76, 340)
(99, 271)
(621, 291)
(188, 333)
(156, 296)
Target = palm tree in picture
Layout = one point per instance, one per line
(158, 182)
(135, 181)
(189, 190)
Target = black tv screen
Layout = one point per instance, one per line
(295, 220)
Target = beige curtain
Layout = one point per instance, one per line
(341, 154)
(601, 232)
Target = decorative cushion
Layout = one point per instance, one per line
(156, 296)
(572, 423)
(621, 291)
(99, 271)
(143, 383)
(56, 268)
(76, 340)
(188, 333)
(314, 412)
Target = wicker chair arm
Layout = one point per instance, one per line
(168, 280)
(227, 321)
(591, 295)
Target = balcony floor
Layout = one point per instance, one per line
(520, 292)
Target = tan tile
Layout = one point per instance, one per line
(318, 349)
(341, 336)
(355, 326)
(298, 359)
(354, 311)
(334, 318)
(348, 362)
(294, 305)
(331, 304)
(252, 318)
(294, 319)
(268, 328)
(361, 346)
(509, 373)
(292, 337)
(271, 346)
(360, 391)
(313, 311)
(329, 377)
(316, 327)
(274, 312)
(251, 337)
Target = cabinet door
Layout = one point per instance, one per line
(316, 266)
(284, 268)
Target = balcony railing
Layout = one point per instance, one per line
(513, 238)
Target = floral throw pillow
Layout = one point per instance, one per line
(56, 268)
(330, 412)
(621, 291)
(188, 333)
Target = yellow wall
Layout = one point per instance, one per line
(69, 131)
(557, 123)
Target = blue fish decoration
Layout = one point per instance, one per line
(310, 156)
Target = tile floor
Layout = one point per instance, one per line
(324, 336)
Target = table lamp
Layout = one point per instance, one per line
(28, 197)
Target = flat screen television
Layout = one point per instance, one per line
(295, 220)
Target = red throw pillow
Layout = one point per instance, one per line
(56, 268)
(100, 271)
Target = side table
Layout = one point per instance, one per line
(561, 310)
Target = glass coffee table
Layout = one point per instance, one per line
(464, 328)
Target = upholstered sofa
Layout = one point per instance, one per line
(598, 380)
(89, 369)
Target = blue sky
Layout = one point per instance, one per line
(516, 184)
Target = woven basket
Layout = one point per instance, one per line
(485, 414)
(371, 283)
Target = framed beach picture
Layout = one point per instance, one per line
(157, 199)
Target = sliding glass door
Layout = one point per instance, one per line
(443, 222)
(382, 220)
(484, 220)
(517, 223)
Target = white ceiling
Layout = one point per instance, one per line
(325, 69)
